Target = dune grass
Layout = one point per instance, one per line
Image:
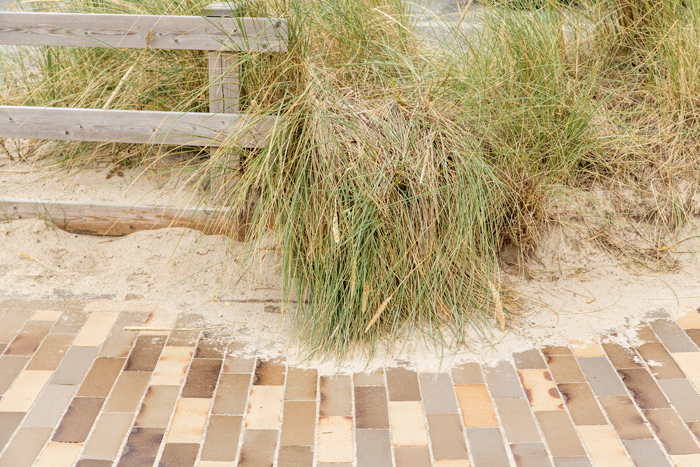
(402, 168)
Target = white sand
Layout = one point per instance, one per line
(587, 295)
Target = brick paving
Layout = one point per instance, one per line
(79, 387)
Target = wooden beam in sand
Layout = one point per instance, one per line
(112, 219)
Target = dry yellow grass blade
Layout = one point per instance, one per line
(499, 306)
(378, 313)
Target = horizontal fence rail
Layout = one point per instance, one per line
(135, 126)
(143, 31)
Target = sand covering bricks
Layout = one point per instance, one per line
(575, 290)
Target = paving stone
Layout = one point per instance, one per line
(183, 338)
(540, 390)
(50, 405)
(51, 352)
(686, 460)
(11, 322)
(412, 456)
(108, 435)
(295, 456)
(235, 363)
(119, 341)
(690, 364)
(551, 350)
(486, 446)
(75, 365)
(402, 384)
(96, 329)
(582, 404)
(375, 378)
(10, 368)
(179, 455)
(572, 462)
(335, 440)
(141, 447)
(602, 376)
(688, 318)
(645, 392)
(446, 437)
(373, 448)
(477, 410)
(221, 442)
(210, 347)
(660, 362)
(202, 378)
(529, 360)
(269, 372)
(298, 423)
(9, 421)
(78, 420)
(258, 448)
(371, 409)
(438, 393)
(157, 407)
(646, 453)
(336, 396)
(24, 391)
(503, 381)
(683, 396)
(128, 391)
(565, 369)
(264, 407)
(70, 323)
(560, 434)
(517, 421)
(530, 455)
(25, 447)
(173, 364)
(672, 336)
(101, 377)
(231, 394)
(301, 385)
(59, 455)
(672, 431)
(407, 425)
(603, 446)
(189, 420)
(622, 357)
(93, 463)
(468, 373)
(625, 417)
(29, 339)
(586, 348)
(145, 353)
(694, 335)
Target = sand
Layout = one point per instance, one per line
(574, 290)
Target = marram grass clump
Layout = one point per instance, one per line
(401, 168)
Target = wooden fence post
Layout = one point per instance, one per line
(224, 93)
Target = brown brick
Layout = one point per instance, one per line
(373, 448)
(210, 347)
(29, 338)
(565, 369)
(560, 434)
(221, 442)
(232, 394)
(582, 404)
(295, 456)
(529, 360)
(624, 416)
(157, 407)
(644, 390)
(258, 448)
(145, 353)
(672, 431)
(101, 377)
(371, 410)
(51, 352)
(402, 384)
(269, 372)
(179, 455)
(446, 436)
(298, 423)
(468, 373)
(202, 378)
(336, 396)
(664, 366)
(623, 357)
(301, 385)
(141, 447)
(79, 419)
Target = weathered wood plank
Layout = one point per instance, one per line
(131, 126)
(112, 219)
(143, 31)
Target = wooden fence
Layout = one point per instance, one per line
(221, 36)
(218, 33)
